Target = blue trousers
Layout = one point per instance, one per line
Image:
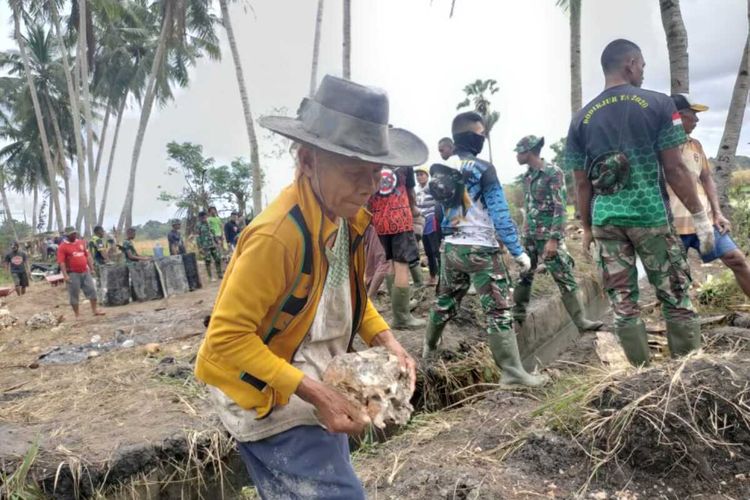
(305, 462)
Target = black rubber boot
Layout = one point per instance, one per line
(573, 305)
(634, 341)
(521, 298)
(683, 337)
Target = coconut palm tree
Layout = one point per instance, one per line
(249, 125)
(725, 157)
(477, 97)
(347, 44)
(17, 7)
(576, 92)
(677, 44)
(124, 55)
(186, 33)
(316, 49)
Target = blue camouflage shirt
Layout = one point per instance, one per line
(484, 216)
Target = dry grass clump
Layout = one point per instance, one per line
(681, 418)
(450, 382)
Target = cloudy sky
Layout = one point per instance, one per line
(423, 59)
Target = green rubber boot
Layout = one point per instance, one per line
(402, 318)
(521, 298)
(389, 278)
(573, 305)
(634, 341)
(505, 353)
(416, 276)
(432, 337)
(683, 337)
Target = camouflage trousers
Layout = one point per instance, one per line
(663, 258)
(209, 254)
(460, 266)
(560, 267)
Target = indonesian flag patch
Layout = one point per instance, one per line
(676, 119)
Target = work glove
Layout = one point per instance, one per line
(524, 262)
(705, 232)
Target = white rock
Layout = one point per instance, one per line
(42, 320)
(7, 319)
(96, 339)
(128, 343)
(374, 379)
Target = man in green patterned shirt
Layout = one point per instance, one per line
(624, 147)
(544, 233)
(207, 246)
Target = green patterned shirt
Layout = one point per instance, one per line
(205, 239)
(128, 248)
(641, 124)
(544, 200)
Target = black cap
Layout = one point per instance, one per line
(682, 101)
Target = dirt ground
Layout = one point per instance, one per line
(500, 446)
(117, 412)
(89, 414)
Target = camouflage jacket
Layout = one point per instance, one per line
(545, 202)
(205, 239)
(128, 248)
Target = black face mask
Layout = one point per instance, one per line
(469, 141)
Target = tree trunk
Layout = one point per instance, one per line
(252, 138)
(576, 94)
(34, 209)
(6, 208)
(37, 111)
(68, 207)
(102, 139)
(316, 49)
(73, 100)
(677, 43)
(51, 212)
(111, 159)
(347, 46)
(60, 160)
(126, 217)
(83, 39)
(725, 157)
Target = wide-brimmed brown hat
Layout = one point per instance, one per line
(351, 120)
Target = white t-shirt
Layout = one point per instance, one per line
(475, 227)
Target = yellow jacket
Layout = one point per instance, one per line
(268, 300)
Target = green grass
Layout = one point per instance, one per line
(564, 406)
(5, 279)
(19, 486)
(720, 292)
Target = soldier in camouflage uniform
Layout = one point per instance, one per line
(128, 248)
(544, 235)
(207, 246)
(475, 217)
(623, 146)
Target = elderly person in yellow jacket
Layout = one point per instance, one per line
(294, 297)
